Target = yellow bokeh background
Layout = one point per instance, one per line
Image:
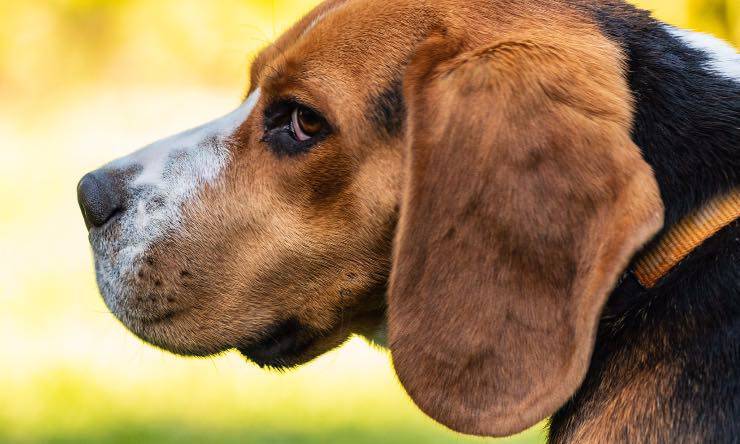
(84, 81)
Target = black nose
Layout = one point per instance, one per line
(98, 198)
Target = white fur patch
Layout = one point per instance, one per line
(723, 58)
(202, 147)
(160, 179)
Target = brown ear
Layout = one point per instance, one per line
(524, 201)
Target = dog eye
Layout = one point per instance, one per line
(292, 128)
(305, 123)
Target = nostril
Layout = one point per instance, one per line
(98, 199)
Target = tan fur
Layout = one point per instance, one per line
(522, 199)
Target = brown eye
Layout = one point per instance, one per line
(306, 124)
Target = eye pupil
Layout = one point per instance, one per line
(309, 122)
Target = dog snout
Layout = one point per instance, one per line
(99, 198)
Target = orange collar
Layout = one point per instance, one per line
(686, 235)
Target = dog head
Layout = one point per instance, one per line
(501, 166)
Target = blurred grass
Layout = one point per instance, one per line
(84, 81)
(218, 400)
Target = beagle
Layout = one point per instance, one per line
(536, 200)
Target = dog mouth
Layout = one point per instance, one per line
(154, 319)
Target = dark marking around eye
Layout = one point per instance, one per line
(279, 134)
(283, 143)
(388, 110)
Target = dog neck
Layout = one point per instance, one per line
(665, 366)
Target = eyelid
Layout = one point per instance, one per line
(276, 112)
(279, 111)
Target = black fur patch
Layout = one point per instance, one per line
(388, 110)
(280, 345)
(687, 119)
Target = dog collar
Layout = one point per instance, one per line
(685, 236)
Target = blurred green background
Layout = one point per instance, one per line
(84, 81)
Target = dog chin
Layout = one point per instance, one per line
(285, 344)
(149, 316)
(168, 331)
(276, 349)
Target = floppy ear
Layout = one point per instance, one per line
(524, 200)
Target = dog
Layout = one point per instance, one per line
(533, 204)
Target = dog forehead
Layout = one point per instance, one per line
(355, 41)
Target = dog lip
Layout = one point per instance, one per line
(169, 315)
(111, 223)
